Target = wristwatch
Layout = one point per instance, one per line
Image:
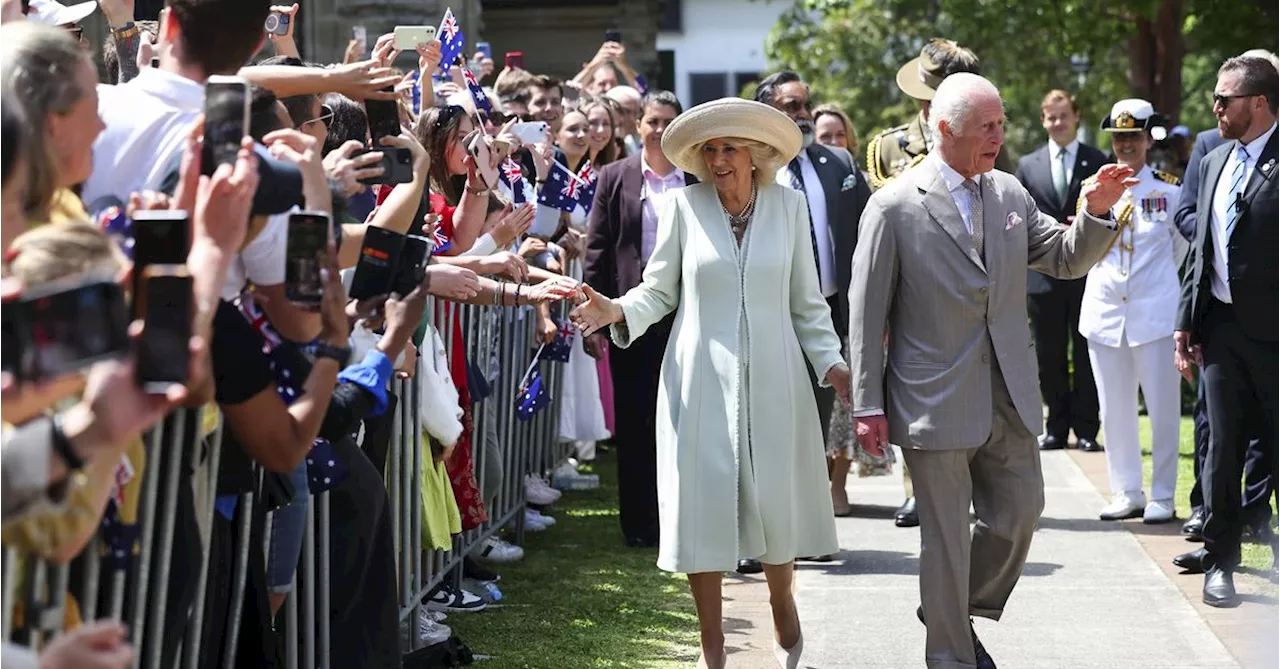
(340, 354)
(125, 31)
(62, 445)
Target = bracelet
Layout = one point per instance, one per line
(479, 192)
(498, 293)
(62, 445)
(125, 31)
(518, 287)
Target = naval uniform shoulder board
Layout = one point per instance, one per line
(1167, 178)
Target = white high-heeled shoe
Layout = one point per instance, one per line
(724, 659)
(789, 658)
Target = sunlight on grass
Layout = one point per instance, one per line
(581, 598)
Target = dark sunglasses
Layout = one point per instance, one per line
(494, 117)
(75, 30)
(1225, 100)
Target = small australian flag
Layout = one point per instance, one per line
(560, 348)
(477, 93)
(513, 175)
(533, 396)
(587, 181)
(452, 41)
(560, 190)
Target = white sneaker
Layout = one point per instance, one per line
(540, 517)
(430, 630)
(566, 477)
(536, 494)
(533, 521)
(1124, 505)
(497, 550)
(541, 484)
(1158, 511)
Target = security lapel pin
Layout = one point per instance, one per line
(822, 159)
(1270, 164)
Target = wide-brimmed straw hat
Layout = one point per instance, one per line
(727, 118)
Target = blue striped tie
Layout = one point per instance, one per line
(1235, 203)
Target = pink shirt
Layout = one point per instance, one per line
(653, 195)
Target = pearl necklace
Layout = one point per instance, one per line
(739, 223)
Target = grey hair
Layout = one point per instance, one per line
(623, 93)
(954, 101)
(39, 68)
(766, 159)
(1262, 53)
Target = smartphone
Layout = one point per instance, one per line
(155, 61)
(226, 120)
(384, 118)
(160, 237)
(163, 350)
(515, 59)
(613, 36)
(397, 167)
(375, 270)
(308, 237)
(359, 34)
(483, 153)
(532, 132)
(486, 49)
(277, 24)
(64, 326)
(412, 266)
(408, 38)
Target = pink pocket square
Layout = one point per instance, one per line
(1013, 220)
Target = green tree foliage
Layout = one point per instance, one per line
(1164, 50)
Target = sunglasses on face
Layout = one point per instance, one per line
(75, 30)
(1224, 101)
(495, 117)
(325, 117)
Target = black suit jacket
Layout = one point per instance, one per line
(614, 228)
(1251, 249)
(1035, 171)
(836, 168)
(1185, 217)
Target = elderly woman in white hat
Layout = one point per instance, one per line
(740, 467)
(1128, 313)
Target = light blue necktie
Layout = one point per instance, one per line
(1235, 196)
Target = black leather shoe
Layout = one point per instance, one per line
(906, 515)
(980, 653)
(1219, 588)
(1089, 445)
(1193, 529)
(1049, 442)
(750, 567)
(1191, 562)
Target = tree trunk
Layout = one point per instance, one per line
(1155, 58)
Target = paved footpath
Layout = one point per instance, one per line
(1090, 595)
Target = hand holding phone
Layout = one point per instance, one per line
(486, 166)
(309, 234)
(532, 132)
(163, 350)
(515, 59)
(613, 36)
(279, 24)
(62, 327)
(226, 121)
(408, 38)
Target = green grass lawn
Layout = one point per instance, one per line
(581, 598)
(1253, 556)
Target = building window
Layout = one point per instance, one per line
(707, 86)
(670, 20)
(666, 78)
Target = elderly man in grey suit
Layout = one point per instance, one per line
(941, 265)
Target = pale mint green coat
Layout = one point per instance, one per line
(741, 468)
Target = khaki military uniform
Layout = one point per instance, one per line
(897, 150)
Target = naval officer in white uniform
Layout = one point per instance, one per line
(1128, 312)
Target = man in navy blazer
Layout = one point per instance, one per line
(621, 232)
(1053, 175)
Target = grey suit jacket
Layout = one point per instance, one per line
(947, 312)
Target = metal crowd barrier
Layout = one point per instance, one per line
(138, 593)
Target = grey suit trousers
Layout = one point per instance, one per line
(963, 574)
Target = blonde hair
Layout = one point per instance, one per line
(60, 250)
(766, 159)
(835, 110)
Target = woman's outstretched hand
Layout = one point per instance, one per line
(839, 379)
(595, 311)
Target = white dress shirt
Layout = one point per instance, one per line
(955, 185)
(1222, 206)
(1056, 163)
(818, 214)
